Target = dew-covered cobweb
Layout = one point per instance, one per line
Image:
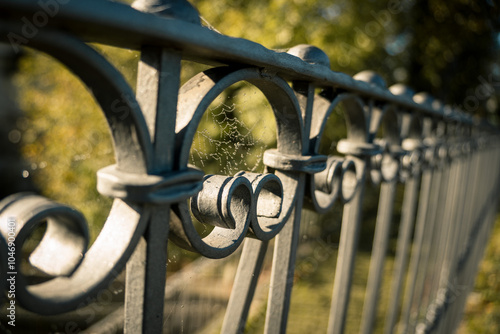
(234, 133)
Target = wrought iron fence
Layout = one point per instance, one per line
(447, 162)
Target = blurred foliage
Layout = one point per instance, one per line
(454, 49)
(449, 48)
(65, 135)
(11, 163)
(61, 137)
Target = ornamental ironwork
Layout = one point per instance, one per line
(438, 153)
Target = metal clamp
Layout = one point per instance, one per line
(143, 188)
(295, 163)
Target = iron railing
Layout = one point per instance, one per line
(446, 160)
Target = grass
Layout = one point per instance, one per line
(482, 312)
(311, 298)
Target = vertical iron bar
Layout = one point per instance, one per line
(145, 280)
(476, 180)
(380, 244)
(441, 235)
(469, 269)
(478, 228)
(403, 246)
(429, 231)
(349, 236)
(157, 89)
(438, 200)
(456, 226)
(449, 279)
(416, 247)
(285, 248)
(450, 227)
(245, 282)
(460, 250)
(282, 273)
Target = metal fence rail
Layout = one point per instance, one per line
(447, 162)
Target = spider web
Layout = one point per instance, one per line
(234, 133)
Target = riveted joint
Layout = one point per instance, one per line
(294, 163)
(142, 188)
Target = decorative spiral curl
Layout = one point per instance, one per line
(248, 202)
(75, 274)
(337, 181)
(78, 278)
(64, 242)
(232, 222)
(224, 202)
(270, 212)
